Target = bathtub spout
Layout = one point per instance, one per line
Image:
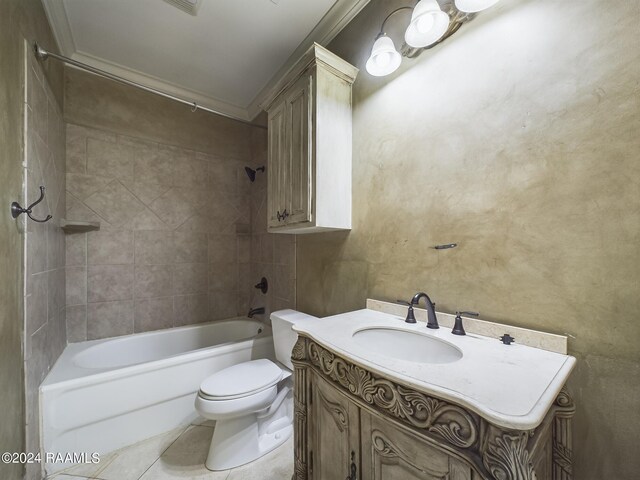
(255, 311)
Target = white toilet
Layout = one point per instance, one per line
(252, 402)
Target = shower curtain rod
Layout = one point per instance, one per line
(42, 54)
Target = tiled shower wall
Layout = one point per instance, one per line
(45, 334)
(173, 246)
(272, 255)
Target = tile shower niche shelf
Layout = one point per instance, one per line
(76, 226)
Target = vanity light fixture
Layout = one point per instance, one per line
(384, 59)
(429, 24)
(473, 6)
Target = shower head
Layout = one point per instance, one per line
(251, 173)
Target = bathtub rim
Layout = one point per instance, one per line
(65, 361)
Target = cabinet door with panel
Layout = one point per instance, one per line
(391, 453)
(334, 433)
(299, 129)
(277, 169)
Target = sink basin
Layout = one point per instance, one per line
(406, 345)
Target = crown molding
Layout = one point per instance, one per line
(59, 22)
(201, 98)
(338, 16)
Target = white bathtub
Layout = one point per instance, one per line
(102, 395)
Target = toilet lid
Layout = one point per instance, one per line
(242, 379)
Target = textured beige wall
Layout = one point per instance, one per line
(517, 139)
(19, 19)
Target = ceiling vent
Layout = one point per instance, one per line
(189, 6)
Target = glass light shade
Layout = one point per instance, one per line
(428, 24)
(384, 58)
(472, 6)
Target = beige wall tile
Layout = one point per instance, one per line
(284, 251)
(223, 276)
(189, 172)
(153, 281)
(36, 303)
(223, 248)
(109, 282)
(111, 247)
(82, 186)
(76, 249)
(37, 248)
(146, 192)
(76, 143)
(190, 278)
(244, 248)
(76, 318)
(115, 203)
(266, 248)
(109, 319)
(190, 247)
(190, 309)
(153, 247)
(284, 282)
(152, 165)
(172, 208)
(55, 245)
(56, 291)
(110, 159)
(153, 314)
(223, 176)
(76, 285)
(223, 304)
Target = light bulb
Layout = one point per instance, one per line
(384, 58)
(428, 24)
(472, 6)
(425, 23)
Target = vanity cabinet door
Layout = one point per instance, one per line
(390, 453)
(334, 432)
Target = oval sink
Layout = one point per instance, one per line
(406, 345)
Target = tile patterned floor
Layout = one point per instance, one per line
(179, 455)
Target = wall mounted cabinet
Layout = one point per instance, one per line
(309, 166)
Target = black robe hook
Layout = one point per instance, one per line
(17, 210)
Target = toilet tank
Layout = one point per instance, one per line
(284, 338)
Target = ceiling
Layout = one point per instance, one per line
(226, 57)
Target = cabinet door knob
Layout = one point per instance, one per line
(283, 215)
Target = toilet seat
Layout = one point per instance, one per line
(241, 380)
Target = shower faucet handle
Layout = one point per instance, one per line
(263, 286)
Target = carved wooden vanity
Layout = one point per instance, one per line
(354, 424)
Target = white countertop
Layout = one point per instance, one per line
(511, 386)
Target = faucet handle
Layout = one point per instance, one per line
(411, 318)
(458, 329)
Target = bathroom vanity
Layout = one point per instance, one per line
(370, 404)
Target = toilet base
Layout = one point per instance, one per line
(238, 441)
